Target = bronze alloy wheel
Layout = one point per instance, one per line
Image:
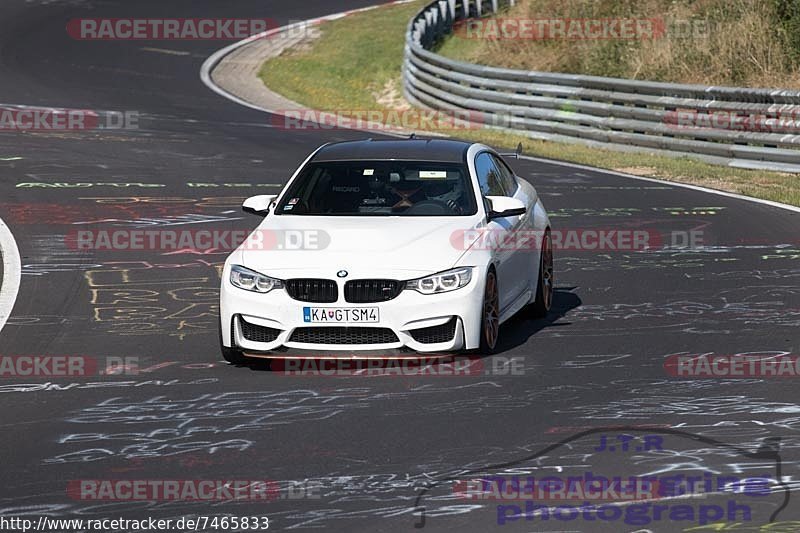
(545, 285)
(491, 313)
(547, 271)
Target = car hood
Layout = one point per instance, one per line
(363, 246)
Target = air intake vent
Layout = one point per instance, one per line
(343, 335)
(255, 333)
(363, 291)
(313, 290)
(442, 333)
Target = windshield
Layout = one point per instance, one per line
(380, 188)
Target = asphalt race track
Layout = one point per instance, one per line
(358, 453)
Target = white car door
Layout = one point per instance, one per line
(525, 247)
(510, 278)
(527, 257)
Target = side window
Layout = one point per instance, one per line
(489, 177)
(507, 176)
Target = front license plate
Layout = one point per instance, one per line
(340, 315)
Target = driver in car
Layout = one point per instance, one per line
(411, 192)
(449, 192)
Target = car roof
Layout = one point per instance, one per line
(439, 150)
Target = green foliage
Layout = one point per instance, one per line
(787, 13)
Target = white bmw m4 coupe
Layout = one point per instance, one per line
(388, 247)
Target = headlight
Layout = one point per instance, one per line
(441, 282)
(250, 280)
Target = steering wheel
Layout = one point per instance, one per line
(430, 207)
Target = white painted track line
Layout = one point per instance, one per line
(12, 273)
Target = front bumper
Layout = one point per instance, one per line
(258, 323)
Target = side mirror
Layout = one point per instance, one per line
(258, 205)
(504, 206)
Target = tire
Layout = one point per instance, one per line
(544, 287)
(232, 355)
(490, 315)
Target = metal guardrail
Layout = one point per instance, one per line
(612, 113)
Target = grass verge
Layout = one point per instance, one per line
(355, 65)
(742, 43)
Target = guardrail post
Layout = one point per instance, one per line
(422, 29)
(429, 30)
(437, 26)
(452, 5)
(447, 17)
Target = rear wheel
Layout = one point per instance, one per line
(544, 288)
(490, 319)
(232, 355)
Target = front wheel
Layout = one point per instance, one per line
(490, 318)
(544, 288)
